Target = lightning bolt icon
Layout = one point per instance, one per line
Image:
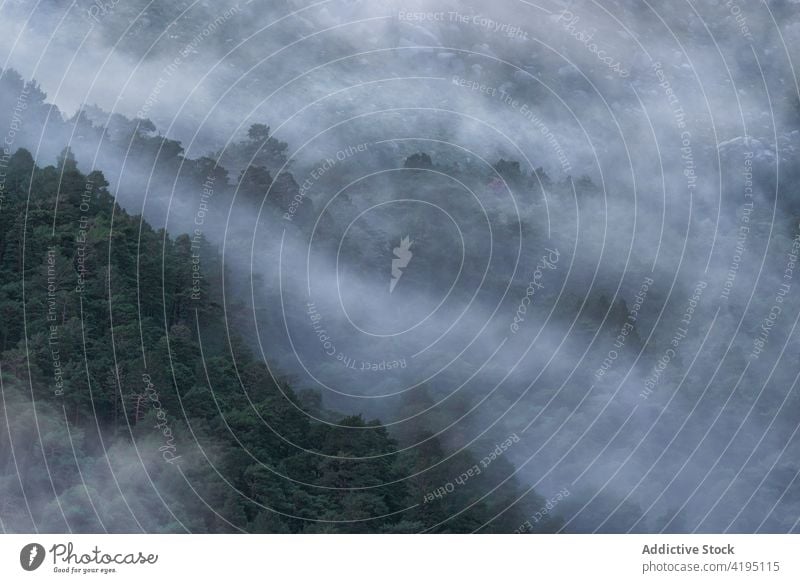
(404, 255)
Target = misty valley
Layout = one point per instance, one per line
(356, 267)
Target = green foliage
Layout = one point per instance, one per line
(131, 414)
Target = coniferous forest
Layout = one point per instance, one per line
(152, 415)
(368, 266)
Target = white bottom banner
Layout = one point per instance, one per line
(355, 558)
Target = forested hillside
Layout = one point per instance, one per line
(132, 404)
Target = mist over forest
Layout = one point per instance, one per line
(389, 266)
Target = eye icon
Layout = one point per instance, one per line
(31, 556)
